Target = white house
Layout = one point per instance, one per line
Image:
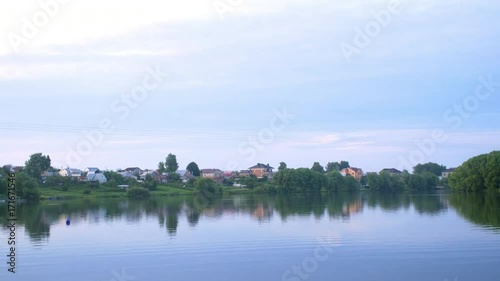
(91, 170)
(97, 177)
(74, 173)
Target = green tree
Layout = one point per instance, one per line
(171, 163)
(3, 186)
(335, 181)
(193, 169)
(481, 172)
(36, 165)
(27, 187)
(332, 166)
(434, 168)
(208, 187)
(282, 166)
(117, 178)
(318, 168)
(344, 165)
(161, 167)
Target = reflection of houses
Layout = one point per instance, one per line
(261, 170)
(353, 172)
(353, 208)
(447, 173)
(262, 213)
(391, 171)
(214, 174)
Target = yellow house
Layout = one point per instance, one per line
(353, 172)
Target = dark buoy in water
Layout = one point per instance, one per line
(68, 222)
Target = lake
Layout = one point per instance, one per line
(359, 236)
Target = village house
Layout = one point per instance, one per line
(353, 172)
(446, 173)
(134, 170)
(214, 174)
(73, 173)
(91, 170)
(96, 177)
(245, 173)
(184, 174)
(262, 170)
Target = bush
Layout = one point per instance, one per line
(87, 191)
(138, 192)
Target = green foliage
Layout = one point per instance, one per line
(27, 187)
(385, 182)
(334, 181)
(3, 186)
(193, 169)
(171, 163)
(282, 166)
(161, 167)
(208, 187)
(433, 168)
(251, 181)
(336, 166)
(36, 165)
(138, 192)
(417, 182)
(87, 191)
(479, 173)
(318, 168)
(299, 180)
(332, 167)
(174, 177)
(114, 176)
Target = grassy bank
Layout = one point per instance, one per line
(78, 191)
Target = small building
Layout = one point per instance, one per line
(96, 177)
(136, 171)
(184, 174)
(214, 174)
(74, 173)
(91, 170)
(245, 173)
(353, 172)
(446, 173)
(261, 170)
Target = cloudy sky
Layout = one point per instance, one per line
(230, 83)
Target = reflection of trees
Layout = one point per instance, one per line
(481, 209)
(429, 204)
(37, 218)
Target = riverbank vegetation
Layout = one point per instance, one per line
(480, 173)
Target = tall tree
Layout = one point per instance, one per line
(37, 164)
(434, 168)
(344, 164)
(161, 167)
(282, 166)
(332, 166)
(193, 169)
(171, 163)
(318, 168)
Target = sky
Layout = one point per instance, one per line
(231, 83)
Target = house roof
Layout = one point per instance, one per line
(181, 172)
(96, 177)
(74, 171)
(133, 169)
(210, 171)
(245, 171)
(391, 170)
(261, 166)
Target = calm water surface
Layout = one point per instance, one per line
(248, 237)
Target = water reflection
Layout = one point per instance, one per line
(38, 218)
